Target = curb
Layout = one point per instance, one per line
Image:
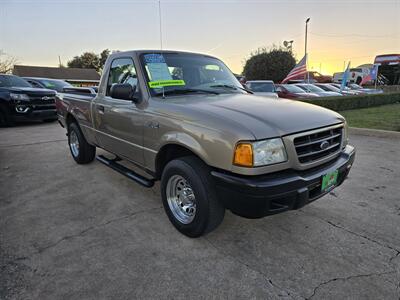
(374, 132)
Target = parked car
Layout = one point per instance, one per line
(359, 90)
(213, 145)
(312, 77)
(262, 88)
(328, 87)
(310, 88)
(355, 76)
(46, 83)
(290, 91)
(356, 87)
(19, 101)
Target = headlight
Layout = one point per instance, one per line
(260, 153)
(19, 97)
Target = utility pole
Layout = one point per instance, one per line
(159, 14)
(59, 61)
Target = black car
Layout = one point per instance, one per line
(19, 101)
(47, 83)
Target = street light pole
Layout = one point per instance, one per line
(305, 50)
(305, 47)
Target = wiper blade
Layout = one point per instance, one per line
(232, 87)
(186, 91)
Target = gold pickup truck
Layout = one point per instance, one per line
(184, 119)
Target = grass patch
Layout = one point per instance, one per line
(386, 117)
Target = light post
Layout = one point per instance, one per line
(305, 50)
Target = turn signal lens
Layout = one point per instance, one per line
(243, 155)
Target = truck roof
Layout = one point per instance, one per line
(145, 51)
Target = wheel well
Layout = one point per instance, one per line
(69, 119)
(168, 153)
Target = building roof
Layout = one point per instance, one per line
(75, 74)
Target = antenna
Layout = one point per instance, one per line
(159, 14)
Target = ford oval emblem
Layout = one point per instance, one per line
(324, 145)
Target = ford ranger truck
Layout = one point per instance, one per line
(19, 101)
(184, 119)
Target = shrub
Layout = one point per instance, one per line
(354, 102)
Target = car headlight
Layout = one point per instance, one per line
(261, 153)
(19, 97)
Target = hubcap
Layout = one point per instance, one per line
(181, 199)
(74, 143)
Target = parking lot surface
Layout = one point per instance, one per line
(86, 232)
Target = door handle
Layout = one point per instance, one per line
(100, 109)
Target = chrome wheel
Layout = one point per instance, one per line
(74, 143)
(181, 199)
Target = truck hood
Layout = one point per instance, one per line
(32, 91)
(263, 117)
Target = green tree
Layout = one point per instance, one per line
(273, 64)
(90, 60)
(87, 60)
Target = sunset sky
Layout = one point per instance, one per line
(38, 31)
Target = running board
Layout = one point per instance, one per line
(125, 171)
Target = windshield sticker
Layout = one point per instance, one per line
(157, 67)
(162, 83)
(154, 58)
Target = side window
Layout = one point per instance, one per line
(34, 84)
(122, 71)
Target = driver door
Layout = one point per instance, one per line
(120, 122)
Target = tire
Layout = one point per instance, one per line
(81, 150)
(5, 119)
(198, 187)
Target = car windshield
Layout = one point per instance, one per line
(324, 87)
(56, 85)
(184, 73)
(293, 89)
(311, 88)
(13, 81)
(262, 87)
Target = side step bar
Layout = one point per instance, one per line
(125, 171)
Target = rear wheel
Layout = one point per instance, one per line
(81, 150)
(189, 197)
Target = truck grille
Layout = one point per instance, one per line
(316, 146)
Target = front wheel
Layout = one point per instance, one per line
(81, 150)
(189, 197)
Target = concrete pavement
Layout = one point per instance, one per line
(69, 231)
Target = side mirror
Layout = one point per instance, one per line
(123, 91)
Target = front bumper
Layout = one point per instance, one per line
(259, 196)
(47, 114)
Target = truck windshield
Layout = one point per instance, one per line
(184, 73)
(13, 81)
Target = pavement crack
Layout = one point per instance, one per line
(31, 144)
(266, 278)
(397, 252)
(345, 279)
(90, 228)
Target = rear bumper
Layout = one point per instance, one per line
(259, 196)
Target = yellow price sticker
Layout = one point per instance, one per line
(162, 83)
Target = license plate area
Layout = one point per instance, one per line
(329, 180)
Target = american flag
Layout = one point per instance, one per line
(299, 70)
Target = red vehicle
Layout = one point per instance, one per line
(314, 76)
(290, 91)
